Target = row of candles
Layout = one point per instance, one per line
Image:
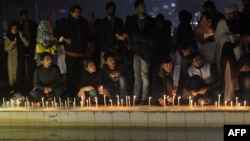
(120, 102)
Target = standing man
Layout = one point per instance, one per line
(140, 32)
(29, 29)
(75, 35)
(110, 24)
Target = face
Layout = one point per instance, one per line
(198, 62)
(111, 62)
(13, 30)
(167, 67)
(141, 9)
(111, 11)
(75, 14)
(91, 67)
(47, 62)
(231, 15)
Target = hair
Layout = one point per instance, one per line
(185, 15)
(86, 62)
(165, 60)
(44, 54)
(138, 2)
(23, 12)
(75, 6)
(110, 4)
(107, 55)
(209, 4)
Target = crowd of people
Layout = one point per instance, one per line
(86, 58)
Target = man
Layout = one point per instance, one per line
(110, 24)
(75, 35)
(204, 81)
(47, 79)
(140, 29)
(238, 22)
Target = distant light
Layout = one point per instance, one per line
(63, 11)
(165, 7)
(173, 5)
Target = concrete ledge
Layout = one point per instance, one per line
(138, 116)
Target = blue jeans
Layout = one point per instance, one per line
(38, 93)
(141, 78)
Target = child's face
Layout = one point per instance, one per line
(47, 61)
(167, 67)
(91, 67)
(111, 62)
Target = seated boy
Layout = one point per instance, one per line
(47, 79)
(115, 77)
(91, 82)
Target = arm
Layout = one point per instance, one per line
(9, 45)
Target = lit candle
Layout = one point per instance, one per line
(215, 103)
(96, 102)
(54, 99)
(189, 101)
(89, 102)
(219, 100)
(110, 103)
(43, 102)
(3, 101)
(104, 99)
(60, 102)
(202, 103)
(236, 101)
(179, 97)
(149, 101)
(245, 103)
(118, 100)
(225, 103)
(134, 100)
(128, 101)
(173, 99)
(239, 104)
(47, 104)
(67, 101)
(8, 104)
(231, 104)
(122, 102)
(17, 101)
(65, 104)
(25, 104)
(52, 104)
(164, 100)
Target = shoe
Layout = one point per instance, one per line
(206, 101)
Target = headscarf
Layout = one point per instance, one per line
(43, 33)
(12, 37)
(204, 27)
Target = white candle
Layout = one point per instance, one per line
(245, 103)
(54, 99)
(149, 101)
(225, 103)
(3, 101)
(96, 102)
(179, 97)
(215, 103)
(219, 100)
(134, 100)
(104, 99)
(52, 104)
(122, 102)
(164, 100)
(118, 100)
(128, 101)
(55, 104)
(110, 103)
(202, 103)
(89, 102)
(236, 101)
(43, 102)
(231, 104)
(65, 102)
(189, 101)
(173, 99)
(60, 102)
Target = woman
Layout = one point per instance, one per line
(226, 60)
(204, 35)
(15, 44)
